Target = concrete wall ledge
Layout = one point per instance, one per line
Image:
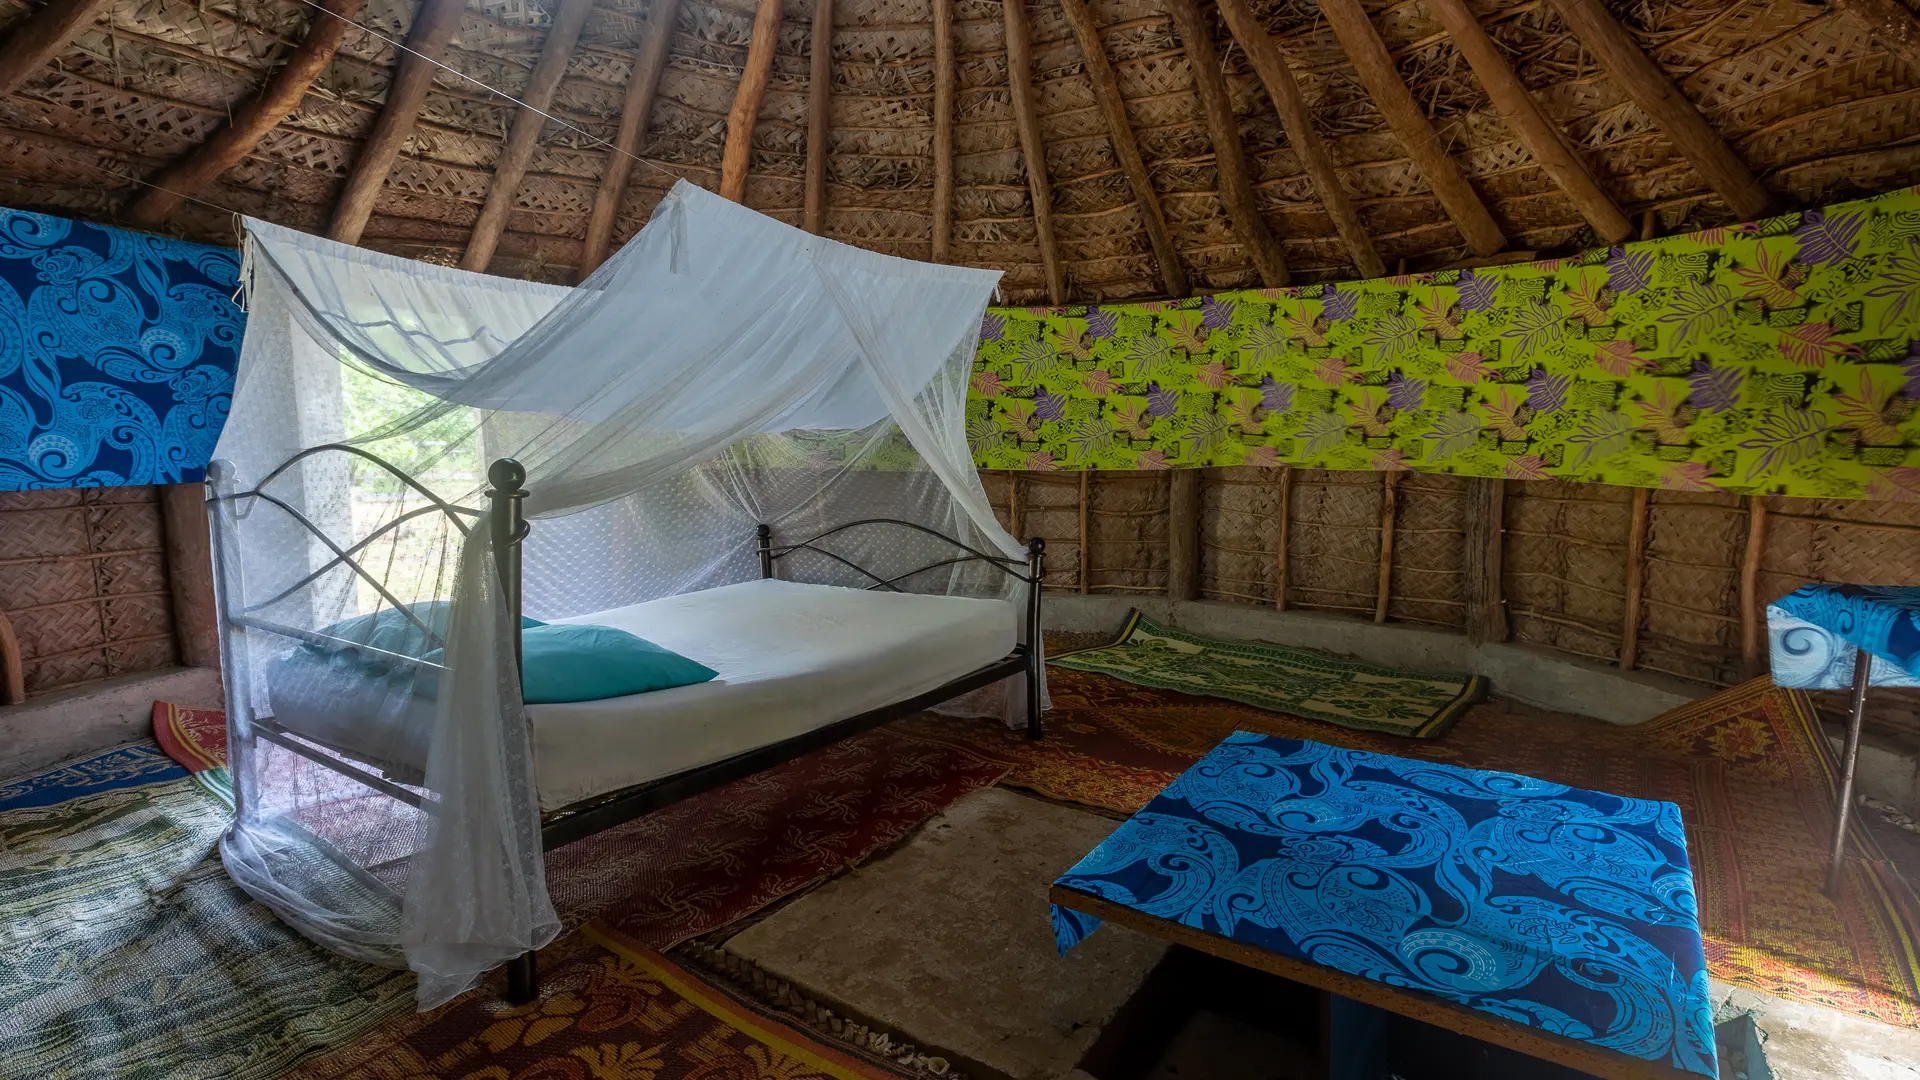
(52, 727)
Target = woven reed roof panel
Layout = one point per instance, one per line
(1803, 93)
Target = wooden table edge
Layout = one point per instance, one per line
(1406, 1001)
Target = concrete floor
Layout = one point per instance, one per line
(947, 941)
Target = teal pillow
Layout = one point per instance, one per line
(575, 662)
(390, 630)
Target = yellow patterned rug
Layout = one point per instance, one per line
(126, 951)
(1298, 682)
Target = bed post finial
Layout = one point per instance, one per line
(764, 545)
(1036, 660)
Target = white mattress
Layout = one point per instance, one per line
(791, 658)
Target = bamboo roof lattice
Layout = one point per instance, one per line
(1352, 136)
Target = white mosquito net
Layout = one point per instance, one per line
(722, 371)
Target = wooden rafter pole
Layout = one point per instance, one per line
(1529, 123)
(252, 120)
(1106, 89)
(1636, 577)
(41, 36)
(943, 83)
(427, 40)
(1375, 67)
(1230, 160)
(648, 62)
(1277, 77)
(523, 138)
(819, 98)
(1033, 149)
(1892, 24)
(737, 152)
(1636, 74)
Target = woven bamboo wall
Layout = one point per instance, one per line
(1564, 572)
(83, 579)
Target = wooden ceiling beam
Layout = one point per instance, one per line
(1377, 72)
(523, 138)
(1643, 81)
(1033, 149)
(819, 99)
(648, 62)
(252, 120)
(1230, 160)
(1106, 88)
(943, 83)
(1529, 123)
(1277, 77)
(738, 150)
(41, 36)
(427, 40)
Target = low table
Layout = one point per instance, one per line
(1829, 637)
(1553, 921)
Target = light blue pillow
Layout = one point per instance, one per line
(390, 630)
(575, 662)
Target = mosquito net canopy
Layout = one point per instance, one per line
(722, 371)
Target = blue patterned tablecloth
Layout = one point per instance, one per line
(1815, 632)
(1560, 908)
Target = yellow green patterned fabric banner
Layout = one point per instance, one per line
(1781, 356)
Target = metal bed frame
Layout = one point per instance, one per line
(509, 528)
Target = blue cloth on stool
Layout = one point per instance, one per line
(1814, 632)
(1560, 908)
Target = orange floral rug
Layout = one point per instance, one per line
(606, 1011)
(1754, 781)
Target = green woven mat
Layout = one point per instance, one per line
(1298, 682)
(125, 951)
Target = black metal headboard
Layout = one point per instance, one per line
(770, 551)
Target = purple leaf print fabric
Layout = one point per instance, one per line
(1629, 271)
(1102, 324)
(1339, 306)
(1827, 239)
(1406, 393)
(993, 327)
(1162, 401)
(1477, 291)
(1216, 312)
(1715, 389)
(1547, 392)
(1911, 367)
(1049, 406)
(1275, 395)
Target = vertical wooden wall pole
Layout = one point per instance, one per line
(1086, 499)
(1013, 505)
(1753, 653)
(1389, 505)
(1485, 555)
(13, 670)
(1636, 576)
(189, 553)
(1280, 543)
(1183, 535)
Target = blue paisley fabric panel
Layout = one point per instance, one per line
(1808, 657)
(117, 354)
(1563, 909)
(1882, 619)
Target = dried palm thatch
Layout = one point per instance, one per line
(1802, 95)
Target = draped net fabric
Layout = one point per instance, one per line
(722, 371)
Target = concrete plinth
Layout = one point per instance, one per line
(948, 940)
(53, 727)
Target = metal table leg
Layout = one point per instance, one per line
(1862, 667)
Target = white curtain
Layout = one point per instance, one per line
(722, 371)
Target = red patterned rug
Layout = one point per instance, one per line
(607, 1011)
(702, 864)
(1753, 779)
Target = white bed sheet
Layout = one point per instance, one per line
(791, 658)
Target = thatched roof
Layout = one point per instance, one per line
(1806, 96)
